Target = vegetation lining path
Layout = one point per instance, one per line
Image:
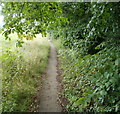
(49, 97)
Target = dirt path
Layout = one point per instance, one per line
(49, 92)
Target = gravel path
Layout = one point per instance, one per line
(49, 93)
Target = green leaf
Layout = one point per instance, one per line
(103, 92)
(79, 101)
(117, 61)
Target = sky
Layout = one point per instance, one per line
(1, 19)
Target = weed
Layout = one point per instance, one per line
(21, 72)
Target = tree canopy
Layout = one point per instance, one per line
(30, 18)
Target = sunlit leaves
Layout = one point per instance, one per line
(30, 18)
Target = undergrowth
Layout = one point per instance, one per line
(21, 72)
(90, 57)
(91, 83)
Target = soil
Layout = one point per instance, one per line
(63, 101)
(49, 101)
(49, 98)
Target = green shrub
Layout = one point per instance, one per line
(92, 82)
(91, 55)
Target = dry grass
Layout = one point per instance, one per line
(22, 70)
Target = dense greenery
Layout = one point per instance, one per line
(30, 18)
(92, 82)
(22, 69)
(91, 61)
(91, 58)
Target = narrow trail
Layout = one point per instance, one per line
(49, 98)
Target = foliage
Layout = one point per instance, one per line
(91, 56)
(92, 82)
(88, 27)
(27, 37)
(90, 35)
(21, 72)
(30, 17)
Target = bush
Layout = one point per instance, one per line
(92, 82)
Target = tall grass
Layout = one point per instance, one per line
(21, 72)
(57, 43)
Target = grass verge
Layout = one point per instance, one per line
(22, 69)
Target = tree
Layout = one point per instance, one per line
(30, 18)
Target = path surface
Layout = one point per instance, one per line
(49, 97)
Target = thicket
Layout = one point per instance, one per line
(91, 58)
